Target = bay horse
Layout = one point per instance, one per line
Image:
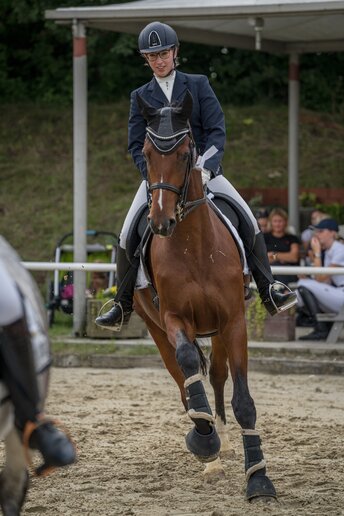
(196, 271)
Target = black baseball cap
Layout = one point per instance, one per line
(330, 224)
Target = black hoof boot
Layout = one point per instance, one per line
(206, 447)
(258, 486)
(114, 318)
(56, 448)
(276, 301)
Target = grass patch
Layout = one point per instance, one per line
(112, 348)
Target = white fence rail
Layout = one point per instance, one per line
(105, 267)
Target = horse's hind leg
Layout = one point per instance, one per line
(203, 440)
(218, 374)
(14, 478)
(258, 484)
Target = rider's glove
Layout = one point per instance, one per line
(206, 174)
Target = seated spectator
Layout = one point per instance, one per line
(283, 247)
(262, 217)
(324, 293)
(306, 235)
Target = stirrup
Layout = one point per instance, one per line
(116, 327)
(285, 306)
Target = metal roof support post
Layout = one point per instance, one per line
(293, 145)
(80, 172)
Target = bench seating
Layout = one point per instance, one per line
(338, 324)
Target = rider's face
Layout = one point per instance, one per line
(163, 67)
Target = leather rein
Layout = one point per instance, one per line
(183, 207)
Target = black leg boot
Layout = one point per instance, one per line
(321, 329)
(269, 289)
(20, 377)
(126, 280)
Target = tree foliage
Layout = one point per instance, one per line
(36, 64)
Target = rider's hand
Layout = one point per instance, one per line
(206, 174)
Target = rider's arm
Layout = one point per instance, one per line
(213, 126)
(136, 135)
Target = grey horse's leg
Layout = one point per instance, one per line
(14, 478)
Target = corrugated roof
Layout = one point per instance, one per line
(288, 26)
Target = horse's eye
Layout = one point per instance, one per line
(185, 156)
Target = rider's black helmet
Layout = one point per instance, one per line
(157, 36)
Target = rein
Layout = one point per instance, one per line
(183, 207)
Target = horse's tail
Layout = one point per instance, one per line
(202, 358)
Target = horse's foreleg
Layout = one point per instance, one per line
(168, 356)
(14, 478)
(203, 440)
(258, 484)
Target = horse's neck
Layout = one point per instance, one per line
(198, 221)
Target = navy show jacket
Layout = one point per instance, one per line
(207, 119)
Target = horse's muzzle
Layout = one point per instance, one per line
(163, 229)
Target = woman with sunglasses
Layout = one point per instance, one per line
(158, 44)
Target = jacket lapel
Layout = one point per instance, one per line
(156, 93)
(179, 87)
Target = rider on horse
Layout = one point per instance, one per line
(159, 45)
(22, 339)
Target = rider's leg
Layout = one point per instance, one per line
(257, 258)
(321, 329)
(18, 370)
(126, 271)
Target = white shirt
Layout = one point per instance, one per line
(335, 255)
(166, 84)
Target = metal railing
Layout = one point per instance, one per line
(105, 267)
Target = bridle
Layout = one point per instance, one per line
(166, 145)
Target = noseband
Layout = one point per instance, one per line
(166, 145)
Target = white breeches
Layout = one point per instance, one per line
(217, 185)
(11, 308)
(330, 298)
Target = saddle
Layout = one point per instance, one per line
(225, 208)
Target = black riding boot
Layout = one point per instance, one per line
(20, 377)
(126, 280)
(268, 288)
(321, 329)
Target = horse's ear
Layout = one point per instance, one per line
(147, 111)
(187, 104)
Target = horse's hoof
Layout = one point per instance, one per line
(260, 486)
(213, 472)
(205, 447)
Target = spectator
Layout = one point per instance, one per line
(283, 247)
(324, 293)
(306, 235)
(262, 217)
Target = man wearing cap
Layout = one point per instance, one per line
(325, 293)
(158, 45)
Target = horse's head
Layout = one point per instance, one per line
(169, 152)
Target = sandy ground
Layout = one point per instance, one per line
(129, 427)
